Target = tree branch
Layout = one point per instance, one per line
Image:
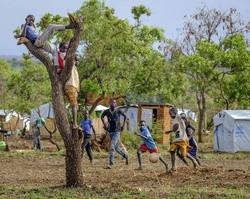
(43, 57)
(70, 56)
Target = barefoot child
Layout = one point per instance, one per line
(72, 88)
(147, 145)
(28, 33)
(180, 140)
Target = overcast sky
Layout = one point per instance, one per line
(166, 14)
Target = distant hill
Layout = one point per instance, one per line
(11, 57)
(15, 60)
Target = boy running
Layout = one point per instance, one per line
(86, 125)
(147, 145)
(114, 128)
(180, 140)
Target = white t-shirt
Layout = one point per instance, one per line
(180, 134)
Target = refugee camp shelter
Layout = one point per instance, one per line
(47, 113)
(44, 111)
(151, 112)
(232, 131)
(10, 120)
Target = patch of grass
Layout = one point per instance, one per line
(100, 154)
(191, 191)
(220, 155)
(224, 192)
(66, 193)
(164, 191)
(164, 149)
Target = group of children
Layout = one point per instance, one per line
(183, 144)
(184, 132)
(28, 33)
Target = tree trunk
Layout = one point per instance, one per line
(199, 104)
(202, 113)
(200, 128)
(74, 175)
(222, 92)
(205, 122)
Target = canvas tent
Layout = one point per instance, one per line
(232, 131)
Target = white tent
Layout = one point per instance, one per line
(232, 131)
(9, 114)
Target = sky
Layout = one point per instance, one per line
(166, 14)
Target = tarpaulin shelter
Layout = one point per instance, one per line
(232, 131)
(11, 120)
(45, 111)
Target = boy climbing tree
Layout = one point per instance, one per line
(74, 176)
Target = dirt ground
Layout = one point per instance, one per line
(49, 171)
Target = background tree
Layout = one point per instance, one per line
(119, 58)
(5, 75)
(31, 86)
(234, 81)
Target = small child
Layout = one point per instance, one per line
(60, 58)
(180, 140)
(86, 125)
(147, 145)
(37, 143)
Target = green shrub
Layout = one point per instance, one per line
(157, 132)
(130, 140)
